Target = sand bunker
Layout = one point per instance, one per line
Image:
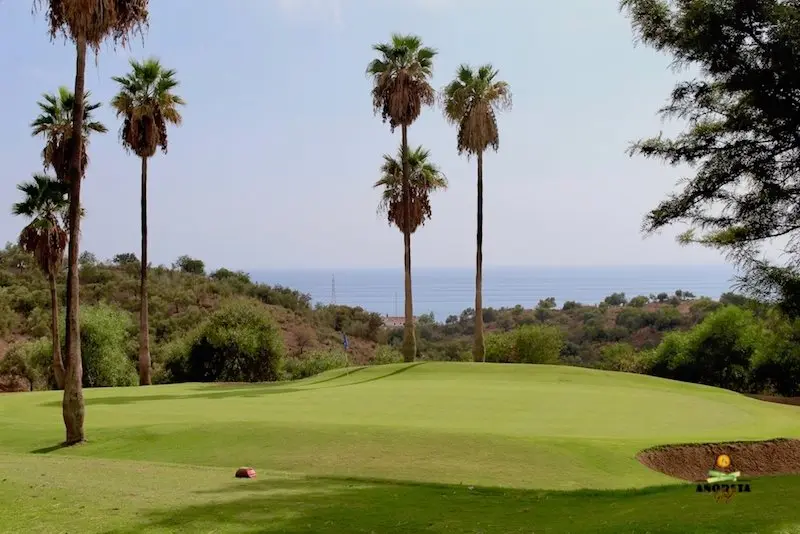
(692, 462)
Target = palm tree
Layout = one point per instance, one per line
(147, 103)
(425, 178)
(470, 102)
(54, 123)
(45, 202)
(87, 23)
(401, 87)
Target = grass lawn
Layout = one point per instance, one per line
(431, 447)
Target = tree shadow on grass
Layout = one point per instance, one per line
(349, 371)
(381, 377)
(133, 399)
(214, 391)
(321, 505)
(52, 448)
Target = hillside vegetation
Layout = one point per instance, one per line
(222, 326)
(182, 298)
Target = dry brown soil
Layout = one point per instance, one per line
(794, 401)
(692, 462)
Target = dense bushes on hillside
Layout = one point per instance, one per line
(717, 352)
(106, 345)
(178, 302)
(732, 348)
(240, 342)
(640, 322)
(181, 298)
(776, 367)
(525, 344)
(19, 369)
(107, 335)
(355, 321)
(314, 363)
(222, 326)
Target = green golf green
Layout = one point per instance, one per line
(396, 448)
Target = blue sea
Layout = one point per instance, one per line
(449, 291)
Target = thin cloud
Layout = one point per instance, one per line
(313, 10)
(331, 10)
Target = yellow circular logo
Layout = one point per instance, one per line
(723, 461)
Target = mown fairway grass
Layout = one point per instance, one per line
(428, 447)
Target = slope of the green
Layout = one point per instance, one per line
(498, 425)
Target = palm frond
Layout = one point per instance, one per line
(95, 20)
(401, 79)
(42, 197)
(147, 104)
(424, 179)
(54, 123)
(470, 102)
(44, 200)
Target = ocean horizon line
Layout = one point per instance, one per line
(448, 291)
(499, 267)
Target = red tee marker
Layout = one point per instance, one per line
(245, 472)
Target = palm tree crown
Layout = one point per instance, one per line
(94, 20)
(425, 178)
(43, 196)
(470, 102)
(45, 201)
(54, 123)
(147, 104)
(400, 76)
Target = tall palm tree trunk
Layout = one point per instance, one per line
(72, 405)
(409, 339)
(479, 348)
(58, 363)
(144, 322)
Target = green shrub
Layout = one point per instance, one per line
(722, 346)
(775, 368)
(526, 344)
(173, 359)
(620, 357)
(385, 354)
(538, 344)
(702, 307)
(667, 319)
(615, 299)
(105, 333)
(17, 365)
(38, 322)
(240, 342)
(39, 353)
(500, 347)
(105, 339)
(638, 302)
(669, 355)
(570, 353)
(281, 296)
(717, 352)
(313, 363)
(8, 316)
(634, 319)
(454, 350)
(355, 321)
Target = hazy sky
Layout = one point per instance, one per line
(275, 161)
